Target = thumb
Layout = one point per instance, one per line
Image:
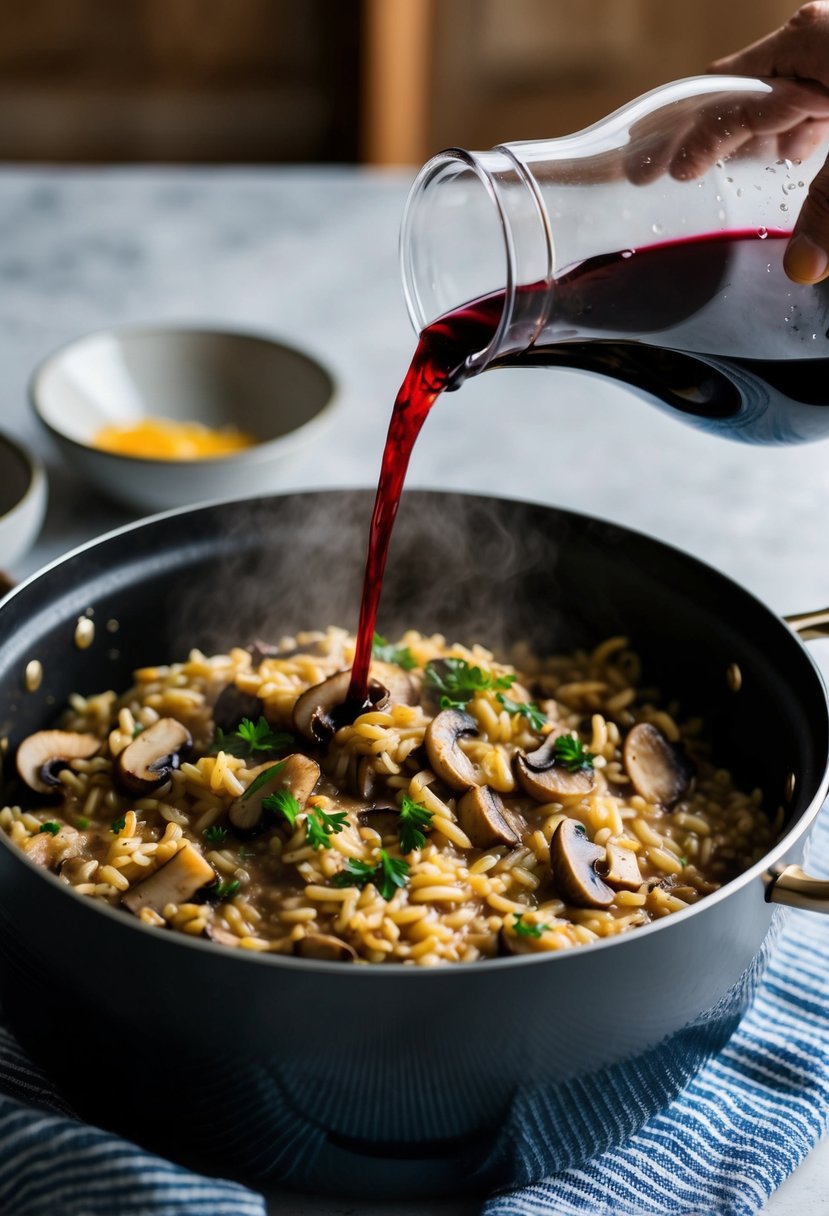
(807, 257)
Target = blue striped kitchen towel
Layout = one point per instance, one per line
(741, 1126)
(720, 1149)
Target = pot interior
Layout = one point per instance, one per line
(475, 569)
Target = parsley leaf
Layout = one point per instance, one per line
(137, 729)
(215, 835)
(458, 681)
(282, 803)
(387, 652)
(387, 875)
(118, 825)
(221, 891)
(321, 825)
(82, 823)
(571, 754)
(52, 828)
(262, 779)
(527, 709)
(394, 872)
(355, 874)
(251, 737)
(414, 820)
(523, 929)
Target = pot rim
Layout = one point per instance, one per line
(249, 957)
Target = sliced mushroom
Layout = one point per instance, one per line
(296, 773)
(260, 650)
(232, 705)
(324, 708)
(402, 689)
(384, 820)
(446, 759)
(50, 851)
(573, 859)
(325, 946)
(173, 883)
(542, 777)
(42, 755)
(362, 777)
(622, 869)
(658, 771)
(147, 762)
(486, 821)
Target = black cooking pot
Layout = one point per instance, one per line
(396, 1079)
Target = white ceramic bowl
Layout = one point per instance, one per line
(22, 501)
(215, 377)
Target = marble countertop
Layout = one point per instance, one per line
(310, 255)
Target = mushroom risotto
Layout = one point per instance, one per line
(475, 809)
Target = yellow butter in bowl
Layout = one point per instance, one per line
(166, 439)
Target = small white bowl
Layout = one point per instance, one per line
(22, 501)
(215, 377)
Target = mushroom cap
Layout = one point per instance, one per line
(544, 779)
(384, 820)
(658, 771)
(573, 859)
(446, 758)
(486, 821)
(296, 773)
(232, 705)
(42, 755)
(325, 946)
(146, 763)
(324, 708)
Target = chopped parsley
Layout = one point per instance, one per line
(82, 823)
(282, 803)
(118, 825)
(251, 737)
(320, 825)
(523, 929)
(215, 835)
(387, 652)
(262, 779)
(571, 754)
(458, 681)
(137, 729)
(387, 875)
(52, 828)
(527, 709)
(221, 891)
(415, 819)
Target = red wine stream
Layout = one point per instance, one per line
(680, 323)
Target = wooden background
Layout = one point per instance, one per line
(386, 81)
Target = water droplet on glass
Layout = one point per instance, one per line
(801, 184)
(756, 187)
(718, 197)
(813, 337)
(784, 207)
(762, 233)
(768, 267)
(657, 228)
(789, 186)
(730, 180)
(719, 164)
(627, 253)
(721, 215)
(647, 160)
(787, 163)
(739, 192)
(770, 169)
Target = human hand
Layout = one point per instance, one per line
(799, 49)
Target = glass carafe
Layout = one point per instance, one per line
(648, 247)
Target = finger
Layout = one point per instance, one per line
(799, 143)
(807, 256)
(799, 48)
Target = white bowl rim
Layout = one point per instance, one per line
(36, 475)
(259, 451)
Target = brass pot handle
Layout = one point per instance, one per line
(791, 886)
(809, 625)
